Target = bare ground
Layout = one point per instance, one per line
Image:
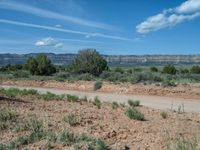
(111, 125)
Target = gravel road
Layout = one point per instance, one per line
(158, 102)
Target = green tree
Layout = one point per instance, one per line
(169, 69)
(31, 65)
(40, 65)
(89, 61)
(195, 70)
(154, 69)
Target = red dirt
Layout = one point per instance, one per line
(106, 123)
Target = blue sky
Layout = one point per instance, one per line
(110, 26)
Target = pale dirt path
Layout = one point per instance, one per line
(158, 102)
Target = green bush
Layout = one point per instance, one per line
(50, 96)
(118, 69)
(115, 105)
(169, 69)
(97, 102)
(182, 143)
(67, 138)
(7, 115)
(34, 125)
(72, 98)
(40, 65)
(167, 83)
(164, 115)
(71, 119)
(195, 70)
(97, 85)
(21, 74)
(184, 71)
(133, 103)
(133, 113)
(85, 77)
(154, 69)
(89, 61)
(13, 92)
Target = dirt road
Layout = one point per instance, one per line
(158, 102)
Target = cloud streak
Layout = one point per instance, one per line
(187, 11)
(63, 30)
(53, 15)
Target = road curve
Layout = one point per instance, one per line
(158, 102)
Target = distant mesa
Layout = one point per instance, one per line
(113, 60)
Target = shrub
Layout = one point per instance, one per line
(129, 71)
(184, 71)
(163, 114)
(195, 70)
(85, 77)
(97, 102)
(89, 61)
(29, 92)
(11, 92)
(6, 115)
(169, 69)
(118, 69)
(40, 65)
(133, 113)
(97, 85)
(168, 83)
(122, 104)
(115, 105)
(72, 98)
(71, 119)
(182, 143)
(67, 138)
(154, 69)
(50, 96)
(133, 103)
(92, 143)
(34, 125)
(21, 74)
(16, 143)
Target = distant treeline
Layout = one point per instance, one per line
(90, 65)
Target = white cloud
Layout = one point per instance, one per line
(170, 17)
(53, 15)
(190, 6)
(49, 41)
(63, 30)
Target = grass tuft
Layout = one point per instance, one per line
(71, 119)
(164, 115)
(133, 113)
(72, 98)
(97, 85)
(97, 102)
(133, 103)
(115, 105)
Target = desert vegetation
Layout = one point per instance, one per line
(90, 65)
(30, 119)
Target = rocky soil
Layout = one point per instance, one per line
(111, 125)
